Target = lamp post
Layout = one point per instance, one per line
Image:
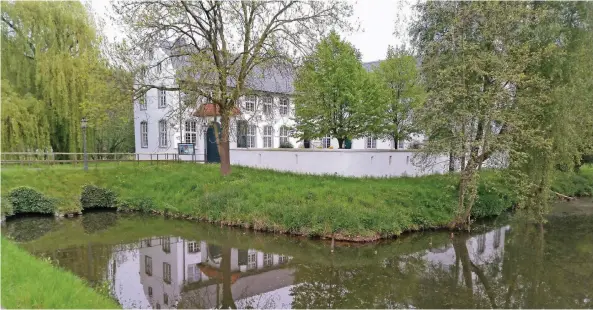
(83, 124)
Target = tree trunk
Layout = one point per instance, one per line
(227, 294)
(224, 146)
(396, 141)
(341, 142)
(451, 161)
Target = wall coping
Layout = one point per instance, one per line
(324, 150)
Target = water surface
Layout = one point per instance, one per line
(152, 262)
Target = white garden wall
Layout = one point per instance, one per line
(353, 163)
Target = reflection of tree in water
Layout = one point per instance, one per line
(93, 222)
(540, 267)
(27, 228)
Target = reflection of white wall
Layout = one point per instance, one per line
(127, 285)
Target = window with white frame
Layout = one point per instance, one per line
(163, 133)
(268, 106)
(400, 144)
(251, 131)
(159, 67)
(148, 265)
(193, 273)
(284, 134)
(371, 143)
(191, 131)
(166, 244)
(250, 103)
(193, 247)
(252, 260)
(144, 134)
(283, 106)
(268, 136)
(326, 142)
(167, 272)
(143, 103)
(242, 133)
(282, 259)
(150, 291)
(162, 98)
(268, 260)
(166, 299)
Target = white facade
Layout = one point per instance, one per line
(160, 123)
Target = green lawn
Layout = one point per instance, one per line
(28, 282)
(280, 202)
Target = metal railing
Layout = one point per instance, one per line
(30, 158)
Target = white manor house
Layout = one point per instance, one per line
(263, 119)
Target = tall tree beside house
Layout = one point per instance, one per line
(335, 96)
(53, 74)
(48, 49)
(494, 87)
(219, 43)
(404, 94)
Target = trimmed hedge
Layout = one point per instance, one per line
(26, 199)
(97, 197)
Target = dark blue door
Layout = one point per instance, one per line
(212, 155)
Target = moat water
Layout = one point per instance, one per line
(153, 262)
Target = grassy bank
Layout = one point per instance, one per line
(30, 283)
(354, 209)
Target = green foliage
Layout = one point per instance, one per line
(52, 76)
(402, 94)
(335, 96)
(6, 206)
(26, 199)
(507, 79)
(286, 145)
(38, 284)
(97, 197)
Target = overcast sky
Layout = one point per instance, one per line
(377, 20)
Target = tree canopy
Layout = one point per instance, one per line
(51, 67)
(499, 75)
(335, 96)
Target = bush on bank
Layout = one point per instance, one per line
(30, 283)
(355, 209)
(25, 199)
(97, 197)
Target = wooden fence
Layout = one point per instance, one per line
(31, 158)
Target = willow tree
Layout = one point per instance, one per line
(494, 84)
(217, 44)
(48, 50)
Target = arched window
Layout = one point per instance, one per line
(144, 134)
(268, 136)
(284, 134)
(163, 133)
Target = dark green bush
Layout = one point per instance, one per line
(136, 204)
(286, 145)
(26, 199)
(97, 197)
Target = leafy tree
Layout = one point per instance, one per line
(334, 94)
(495, 87)
(49, 49)
(216, 45)
(53, 74)
(404, 94)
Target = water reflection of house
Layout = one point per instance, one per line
(171, 267)
(482, 249)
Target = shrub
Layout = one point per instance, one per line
(26, 199)
(136, 204)
(96, 197)
(286, 145)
